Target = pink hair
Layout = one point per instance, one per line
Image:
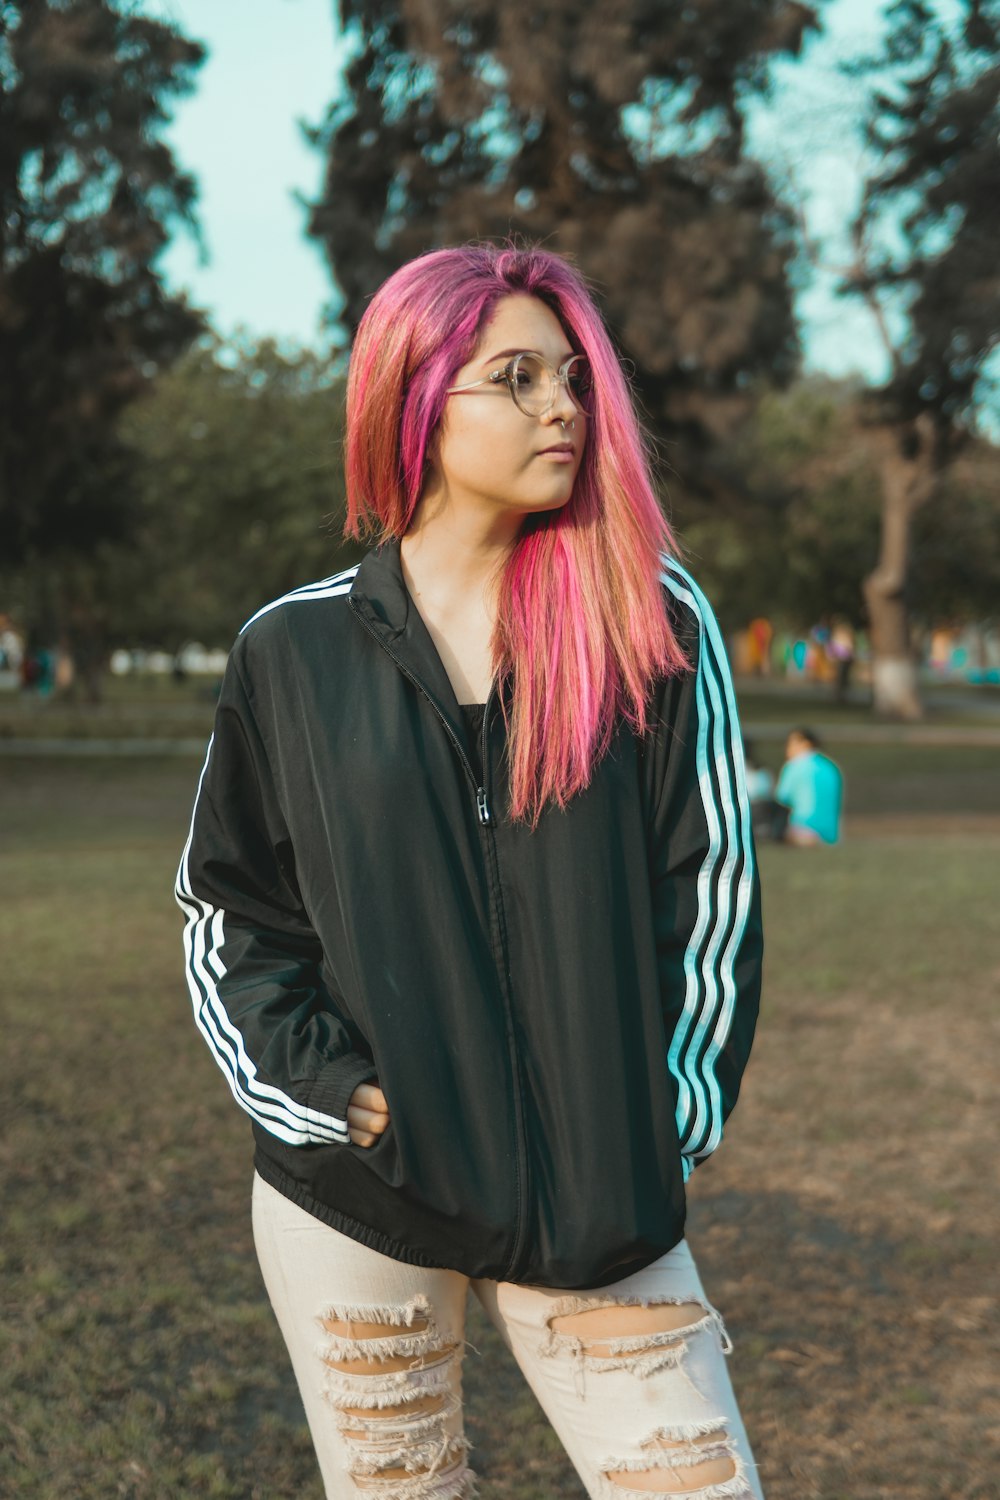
(582, 628)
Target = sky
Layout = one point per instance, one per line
(273, 63)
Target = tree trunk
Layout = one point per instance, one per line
(908, 477)
(82, 631)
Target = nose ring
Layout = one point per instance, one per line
(566, 429)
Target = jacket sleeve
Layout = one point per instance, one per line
(706, 890)
(252, 958)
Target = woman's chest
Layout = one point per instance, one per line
(463, 642)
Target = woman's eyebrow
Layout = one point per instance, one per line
(509, 354)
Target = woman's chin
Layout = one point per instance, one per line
(548, 502)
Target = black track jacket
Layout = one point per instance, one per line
(559, 1019)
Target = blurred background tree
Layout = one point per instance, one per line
(236, 489)
(799, 544)
(613, 132)
(240, 483)
(616, 133)
(88, 197)
(806, 537)
(926, 264)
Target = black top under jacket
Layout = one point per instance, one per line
(559, 1019)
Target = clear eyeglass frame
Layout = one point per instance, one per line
(510, 372)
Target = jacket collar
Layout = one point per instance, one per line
(380, 598)
(379, 593)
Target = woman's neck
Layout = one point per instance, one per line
(449, 559)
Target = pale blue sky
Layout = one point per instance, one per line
(273, 62)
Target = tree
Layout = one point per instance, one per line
(955, 546)
(926, 265)
(612, 132)
(88, 197)
(811, 529)
(240, 492)
(238, 498)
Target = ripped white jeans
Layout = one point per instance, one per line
(632, 1376)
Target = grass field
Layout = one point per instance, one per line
(158, 707)
(847, 1228)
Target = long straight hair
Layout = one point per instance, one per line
(582, 630)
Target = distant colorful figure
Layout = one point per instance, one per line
(811, 786)
(842, 652)
(797, 657)
(760, 633)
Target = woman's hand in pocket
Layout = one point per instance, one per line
(367, 1114)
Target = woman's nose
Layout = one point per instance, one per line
(563, 409)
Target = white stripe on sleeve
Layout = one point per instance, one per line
(710, 988)
(204, 937)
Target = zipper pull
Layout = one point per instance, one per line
(482, 805)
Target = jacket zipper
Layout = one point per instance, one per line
(499, 959)
(520, 1128)
(482, 804)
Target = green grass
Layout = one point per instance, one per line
(911, 780)
(153, 707)
(157, 707)
(846, 1228)
(790, 700)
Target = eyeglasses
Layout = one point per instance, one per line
(534, 384)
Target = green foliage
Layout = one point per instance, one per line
(927, 227)
(88, 197)
(240, 487)
(237, 496)
(956, 542)
(800, 547)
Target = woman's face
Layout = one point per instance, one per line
(490, 458)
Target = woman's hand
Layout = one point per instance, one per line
(367, 1114)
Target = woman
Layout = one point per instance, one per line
(473, 921)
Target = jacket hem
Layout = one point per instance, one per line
(373, 1239)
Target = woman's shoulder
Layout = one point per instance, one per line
(303, 624)
(681, 585)
(690, 612)
(337, 586)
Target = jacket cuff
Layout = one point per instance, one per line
(332, 1088)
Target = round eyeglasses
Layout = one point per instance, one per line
(534, 384)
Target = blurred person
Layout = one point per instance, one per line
(842, 651)
(30, 671)
(811, 786)
(760, 632)
(768, 816)
(473, 917)
(819, 664)
(11, 646)
(65, 671)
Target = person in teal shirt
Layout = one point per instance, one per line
(812, 788)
